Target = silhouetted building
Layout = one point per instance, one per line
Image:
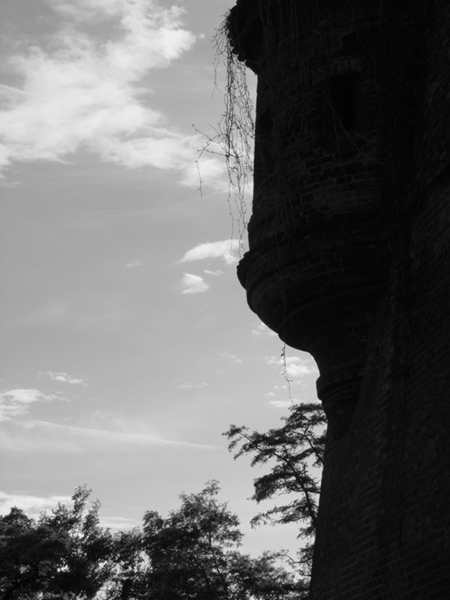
(350, 260)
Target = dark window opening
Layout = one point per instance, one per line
(342, 93)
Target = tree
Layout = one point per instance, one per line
(295, 451)
(63, 555)
(88, 555)
(127, 579)
(194, 555)
(25, 550)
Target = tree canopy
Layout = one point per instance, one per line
(192, 554)
(64, 554)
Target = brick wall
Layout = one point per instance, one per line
(350, 260)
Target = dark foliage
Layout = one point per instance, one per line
(295, 454)
(65, 554)
(192, 554)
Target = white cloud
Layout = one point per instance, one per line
(262, 331)
(31, 505)
(15, 403)
(294, 366)
(228, 250)
(82, 92)
(206, 170)
(194, 284)
(64, 378)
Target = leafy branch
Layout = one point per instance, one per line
(295, 452)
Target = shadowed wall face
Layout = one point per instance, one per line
(317, 264)
(349, 260)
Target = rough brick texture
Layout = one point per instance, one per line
(350, 260)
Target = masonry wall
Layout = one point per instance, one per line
(384, 515)
(350, 260)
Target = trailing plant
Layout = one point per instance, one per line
(233, 136)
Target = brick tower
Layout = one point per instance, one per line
(350, 260)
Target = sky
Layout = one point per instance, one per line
(127, 347)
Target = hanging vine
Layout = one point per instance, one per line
(234, 134)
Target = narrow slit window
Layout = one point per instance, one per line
(342, 92)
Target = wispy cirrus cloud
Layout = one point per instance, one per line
(16, 403)
(228, 250)
(114, 436)
(194, 284)
(43, 437)
(77, 91)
